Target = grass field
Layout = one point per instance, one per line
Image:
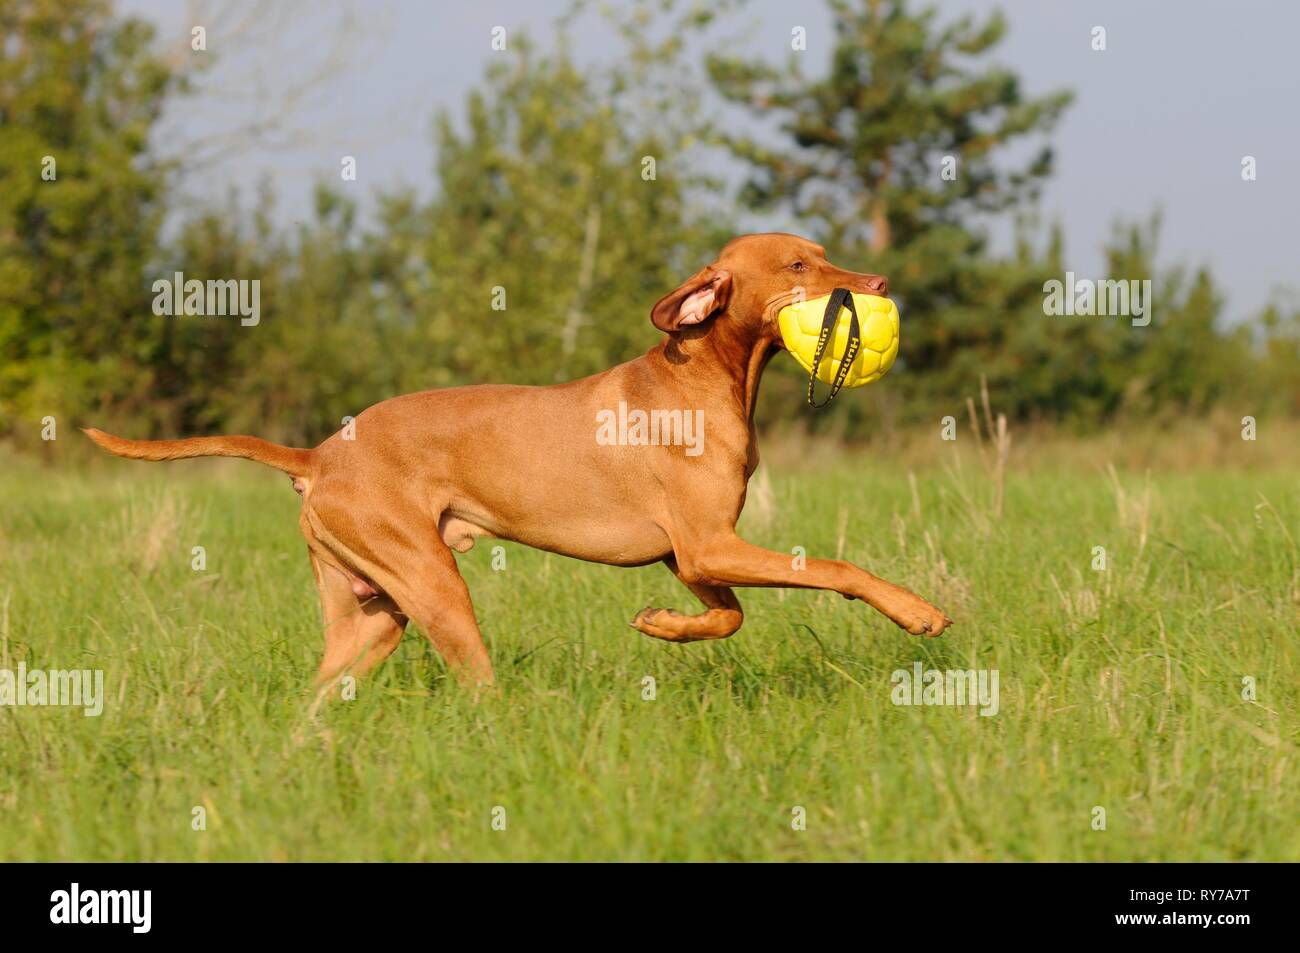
(1120, 689)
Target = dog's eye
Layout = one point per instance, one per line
(796, 266)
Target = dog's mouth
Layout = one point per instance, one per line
(876, 285)
(772, 311)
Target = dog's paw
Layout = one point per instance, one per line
(918, 617)
(673, 626)
(645, 623)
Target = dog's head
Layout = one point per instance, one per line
(754, 277)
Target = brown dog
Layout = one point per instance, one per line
(426, 473)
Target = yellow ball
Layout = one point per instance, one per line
(801, 326)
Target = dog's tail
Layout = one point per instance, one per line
(291, 460)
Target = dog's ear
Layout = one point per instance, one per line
(701, 296)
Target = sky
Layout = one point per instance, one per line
(1162, 117)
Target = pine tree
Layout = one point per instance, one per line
(895, 159)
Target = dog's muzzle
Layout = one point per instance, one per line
(867, 346)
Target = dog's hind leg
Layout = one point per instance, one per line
(407, 563)
(438, 600)
(721, 618)
(362, 628)
(430, 590)
(359, 632)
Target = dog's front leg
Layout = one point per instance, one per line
(727, 560)
(721, 618)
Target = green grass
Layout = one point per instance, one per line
(1119, 689)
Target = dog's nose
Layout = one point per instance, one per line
(878, 284)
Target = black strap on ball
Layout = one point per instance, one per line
(840, 298)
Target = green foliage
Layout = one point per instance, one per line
(1279, 369)
(542, 195)
(544, 202)
(323, 349)
(81, 87)
(860, 160)
(542, 207)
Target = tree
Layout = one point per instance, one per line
(893, 158)
(556, 226)
(80, 205)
